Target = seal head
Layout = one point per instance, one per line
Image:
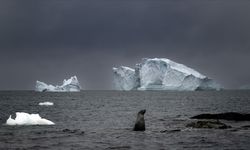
(140, 122)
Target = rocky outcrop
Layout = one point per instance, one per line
(225, 116)
(209, 124)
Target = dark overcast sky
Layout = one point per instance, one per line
(49, 40)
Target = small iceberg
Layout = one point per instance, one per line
(46, 104)
(23, 118)
(70, 85)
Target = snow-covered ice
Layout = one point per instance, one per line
(70, 85)
(23, 118)
(46, 104)
(162, 74)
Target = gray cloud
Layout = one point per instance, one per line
(50, 40)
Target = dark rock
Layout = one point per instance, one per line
(170, 131)
(246, 127)
(7, 134)
(119, 147)
(208, 124)
(225, 116)
(66, 130)
(75, 131)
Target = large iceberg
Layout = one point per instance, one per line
(70, 85)
(161, 74)
(23, 118)
(125, 78)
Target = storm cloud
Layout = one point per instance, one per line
(50, 40)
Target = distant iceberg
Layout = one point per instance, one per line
(245, 87)
(70, 85)
(161, 74)
(46, 104)
(23, 118)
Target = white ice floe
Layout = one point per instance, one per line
(70, 85)
(46, 104)
(162, 74)
(23, 118)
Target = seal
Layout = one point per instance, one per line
(140, 122)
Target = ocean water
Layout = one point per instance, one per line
(104, 120)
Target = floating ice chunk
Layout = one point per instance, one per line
(70, 85)
(46, 104)
(23, 118)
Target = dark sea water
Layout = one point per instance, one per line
(104, 120)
